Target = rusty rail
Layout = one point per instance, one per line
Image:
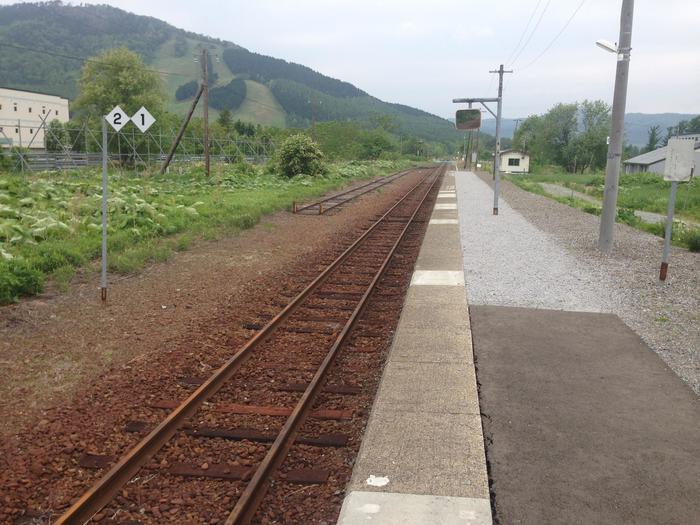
(367, 187)
(109, 485)
(256, 489)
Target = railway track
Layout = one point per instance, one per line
(238, 439)
(327, 204)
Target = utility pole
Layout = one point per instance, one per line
(517, 123)
(313, 117)
(205, 92)
(497, 159)
(612, 168)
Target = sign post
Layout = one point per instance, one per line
(103, 279)
(116, 118)
(680, 165)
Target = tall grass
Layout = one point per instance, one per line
(50, 224)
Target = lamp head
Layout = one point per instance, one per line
(607, 46)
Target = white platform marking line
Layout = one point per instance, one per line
(447, 206)
(443, 221)
(437, 278)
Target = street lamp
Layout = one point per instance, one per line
(607, 46)
(615, 145)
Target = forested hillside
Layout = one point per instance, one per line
(42, 44)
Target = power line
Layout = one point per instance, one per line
(549, 46)
(534, 30)
(522, 35)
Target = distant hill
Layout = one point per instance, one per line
(266, 90)
(636, 125)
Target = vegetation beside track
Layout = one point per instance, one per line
(50, 224)
(642, 191)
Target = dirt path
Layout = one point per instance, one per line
(54, 347)
(646, 216)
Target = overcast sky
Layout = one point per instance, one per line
(424, 53)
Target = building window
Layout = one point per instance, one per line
(16, 131)
(56, 112)
(513, 162)
(30, 110)
(15, 107)
(43, 111)
(31, 131)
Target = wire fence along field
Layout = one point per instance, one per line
(53, 148)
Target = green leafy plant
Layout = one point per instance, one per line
(300, 155)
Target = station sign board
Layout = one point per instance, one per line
(680, 159)
(467, 119)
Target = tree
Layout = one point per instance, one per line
(188, 90)
(654, 138)
(225, 120)
(119, 77)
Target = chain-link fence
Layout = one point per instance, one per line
(57, 146)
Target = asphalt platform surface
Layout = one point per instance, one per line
(584, 424)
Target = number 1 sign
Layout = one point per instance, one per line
(143, 119)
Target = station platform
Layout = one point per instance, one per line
(422, 458)
(582, 422)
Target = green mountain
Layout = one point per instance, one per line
(41, 46)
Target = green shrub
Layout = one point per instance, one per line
(51, 256)
(300, 155)
(592, 209)
(627, 216)
(18, 279)
(692, 240)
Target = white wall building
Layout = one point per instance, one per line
(515, 161)
(21, 114)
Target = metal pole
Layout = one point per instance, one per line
(103, 281)
(669, 230)
(205, 85)
(497, 158)
(612, 168)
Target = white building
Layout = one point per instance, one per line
(515, 161)
(655, 161)
(21, 115)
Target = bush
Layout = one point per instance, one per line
(300, 155)
(18, 279)
(692, 239)
(627, 216)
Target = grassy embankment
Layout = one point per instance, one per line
(50, 223)
(642, 191)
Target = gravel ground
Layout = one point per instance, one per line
(542, 254)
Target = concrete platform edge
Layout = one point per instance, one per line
(422, 459)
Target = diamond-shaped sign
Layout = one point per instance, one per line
(117, 118)
(143, 119)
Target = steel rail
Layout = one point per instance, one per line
(109, 485)
(255, 491)
(374, 182)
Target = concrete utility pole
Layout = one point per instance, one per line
(497, 159)
(612, 168)
(205, 92)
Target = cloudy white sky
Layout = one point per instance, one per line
(424, 53)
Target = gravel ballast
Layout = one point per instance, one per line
(539, 253)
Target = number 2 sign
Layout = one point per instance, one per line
(117, 118)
